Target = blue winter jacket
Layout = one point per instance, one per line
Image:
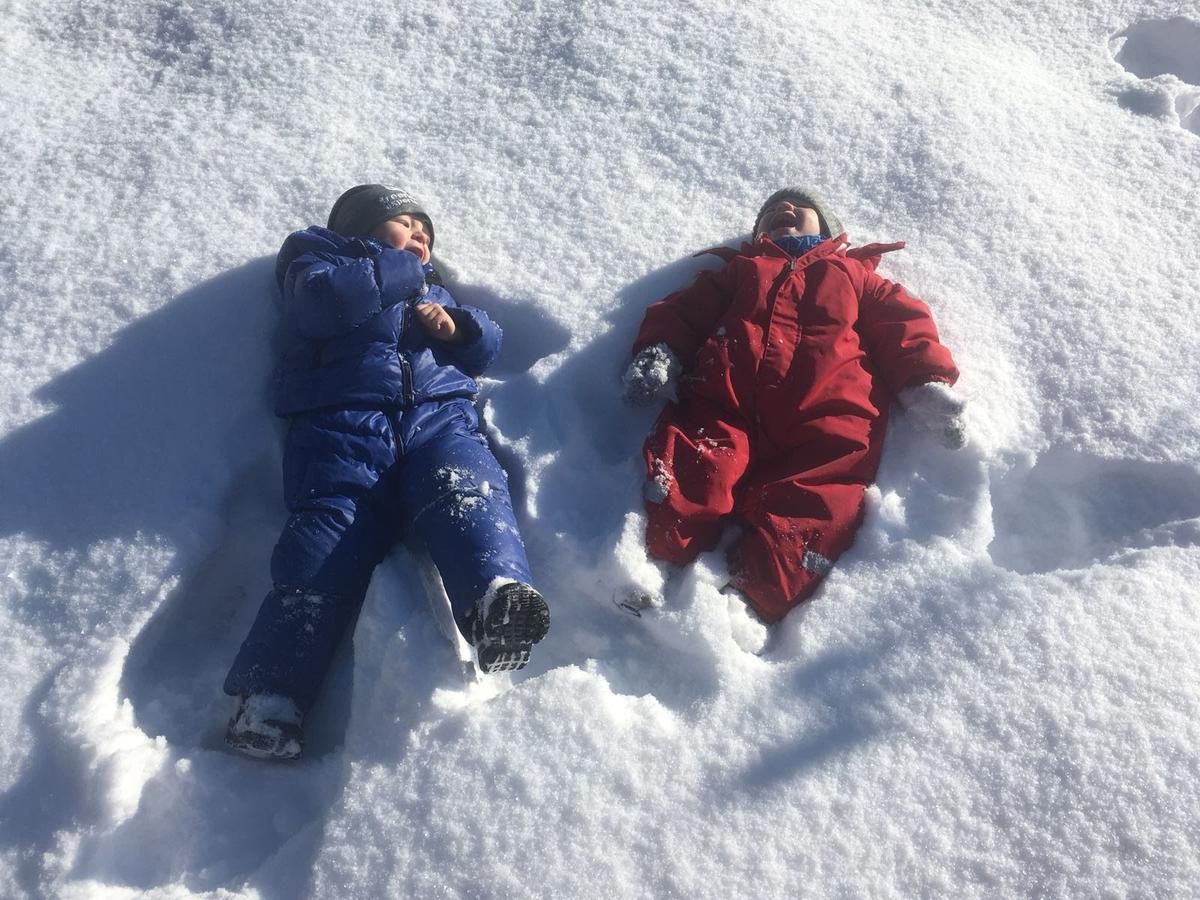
(351, 337)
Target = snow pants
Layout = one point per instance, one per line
(354, 480)
(799, 494)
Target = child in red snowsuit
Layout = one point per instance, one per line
(781, 366)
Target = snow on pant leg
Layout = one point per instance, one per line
(694, 458)
(336, 476)
(454, 495)
(803, 509)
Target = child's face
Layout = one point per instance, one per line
(404, 232)
(789, 217)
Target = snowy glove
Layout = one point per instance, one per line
(651, 376)
(937, 409)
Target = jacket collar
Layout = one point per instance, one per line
(764, 246)
(838, 246)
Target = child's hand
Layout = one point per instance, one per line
(937, 409)
(651, 376)
(437, 322)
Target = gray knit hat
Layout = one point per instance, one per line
(831, 226)
(364, 207)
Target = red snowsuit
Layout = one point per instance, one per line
(789, 367)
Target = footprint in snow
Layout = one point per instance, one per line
(1069, 510)
(1164, 54)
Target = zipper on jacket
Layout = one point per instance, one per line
(776, 287)
(772, 299)
(406, 380)
(407, 390)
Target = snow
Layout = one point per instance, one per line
(995, 692)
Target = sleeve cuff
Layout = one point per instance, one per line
(465, 322)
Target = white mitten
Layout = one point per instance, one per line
(937, 409)
(651, 376)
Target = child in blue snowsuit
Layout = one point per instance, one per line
(377, 381)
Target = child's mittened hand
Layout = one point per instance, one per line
(651, 376)
(937, 409)
(436, 321)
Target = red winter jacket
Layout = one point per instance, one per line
(782, 342)
(789, 367)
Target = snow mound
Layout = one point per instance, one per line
(1165, 53)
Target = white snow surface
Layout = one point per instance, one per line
(994, 694)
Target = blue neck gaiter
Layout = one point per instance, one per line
(798, 244)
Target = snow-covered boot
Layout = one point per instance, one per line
(505, 625)
(266, 726)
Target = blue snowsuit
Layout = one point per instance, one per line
(384, 436)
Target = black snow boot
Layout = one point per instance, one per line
(504, 627)
(266, 726)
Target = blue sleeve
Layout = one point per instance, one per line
(400, 275)
(482, 336)
(331, 285)
(324, 299)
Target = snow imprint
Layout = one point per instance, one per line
(1070, 510)
(1165, 55)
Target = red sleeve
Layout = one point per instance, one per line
(901, 337)
(684, 319)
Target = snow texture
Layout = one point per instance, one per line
(995, 693)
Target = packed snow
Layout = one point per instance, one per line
(995, 693)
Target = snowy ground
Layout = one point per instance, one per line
(995, 694)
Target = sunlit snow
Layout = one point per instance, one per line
(995, 693)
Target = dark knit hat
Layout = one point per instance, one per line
(831, 226)
(363, 208)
